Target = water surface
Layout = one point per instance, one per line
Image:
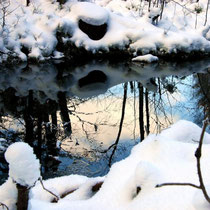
(72, 114)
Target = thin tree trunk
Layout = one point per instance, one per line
(121, 123)
(141, 112)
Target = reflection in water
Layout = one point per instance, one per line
(202, 93)
(73, 116)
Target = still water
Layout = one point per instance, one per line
(73, 114)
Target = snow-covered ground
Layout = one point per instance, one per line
(132, 25)
(130, 183)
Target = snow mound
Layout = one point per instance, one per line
(8, 194)
(23, 165)
(146, 175)
(184, 131)
(90, 13)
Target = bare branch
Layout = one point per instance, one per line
(4, 206)
(177, 184)
(56, 197)
(198, 154)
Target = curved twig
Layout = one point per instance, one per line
(56, 197)
(4, 206)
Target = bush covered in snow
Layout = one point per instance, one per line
(44, 28)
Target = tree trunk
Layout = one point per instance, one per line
(23, 197)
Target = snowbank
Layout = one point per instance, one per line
(130, 184)
(45, 29)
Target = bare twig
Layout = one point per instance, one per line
(207, 8)
(177, 184)
(4, 206)
(56, 197)
(198, 154)
(184, 7)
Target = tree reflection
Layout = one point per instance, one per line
(202, 93)
(51, 116)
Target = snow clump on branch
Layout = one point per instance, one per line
(24, 167)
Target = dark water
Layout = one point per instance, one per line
(72, 114)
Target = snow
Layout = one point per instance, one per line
(8, 194)
(84, 11)
(20, 156)
(146, 58)
(132, 27)
(166, 157)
